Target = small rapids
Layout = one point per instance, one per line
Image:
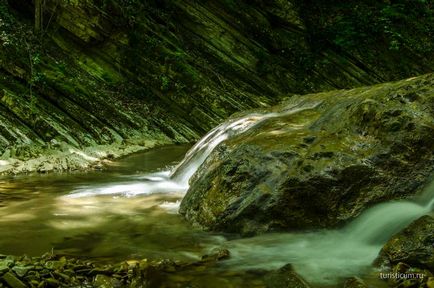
(175, 180)
(322, 257)
(325, 257)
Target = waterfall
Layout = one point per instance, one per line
(327, 256)
(383, 220)
(202, 149)
(176, 179)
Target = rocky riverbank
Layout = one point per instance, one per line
(408, 254)
(59, 271)
(62, 157)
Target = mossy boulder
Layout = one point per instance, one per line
(326, 158)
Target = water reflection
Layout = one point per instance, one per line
(40, 210)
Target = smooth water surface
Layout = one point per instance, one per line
(41, 213)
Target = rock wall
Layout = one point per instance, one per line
(102, 72)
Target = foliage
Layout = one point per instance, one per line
(21, 49)
(352, 24)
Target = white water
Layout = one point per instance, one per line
(176, 179)
(325, 257)
(321, 257)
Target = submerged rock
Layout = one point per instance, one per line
(285, 277)
(216, 255)
(355, 282)
(320, 162)
(103, 281)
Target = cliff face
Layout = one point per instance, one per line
(106, 71)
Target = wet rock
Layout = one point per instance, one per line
(21, 271)
(51, 282)
(355, 282)
(413, 246)
(430, 282)
(13, 281)
(407, 259)
(103, 281)
(325, 159)
(53, 265)
(4, 269)
(216, 255)
(6, 264)
(285, 277)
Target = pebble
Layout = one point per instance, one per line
(20, 270)
(13, 281)
(54, 264)
(3, 269)
(103, 281)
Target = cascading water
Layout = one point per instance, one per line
(326, 256)
(176, 179)
(202, 149)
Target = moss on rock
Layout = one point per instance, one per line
(325, 159)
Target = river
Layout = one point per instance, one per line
(41, 213)
(129, 210)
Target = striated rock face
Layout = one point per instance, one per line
(320, 163)
(108, 71)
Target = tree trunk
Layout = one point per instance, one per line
(38, 15)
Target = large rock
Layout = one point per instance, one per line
(414, 246)
(326, 159)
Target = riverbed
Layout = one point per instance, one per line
(42, 213)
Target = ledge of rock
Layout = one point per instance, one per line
(326, 158)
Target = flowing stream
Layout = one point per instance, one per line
(130, 210)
